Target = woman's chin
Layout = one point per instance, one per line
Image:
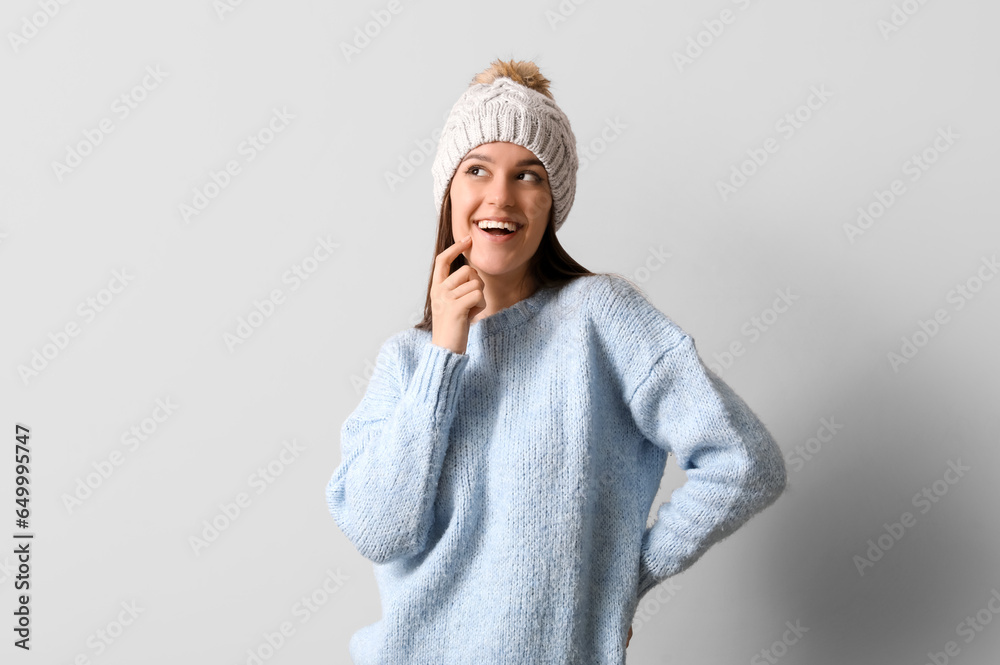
(490, 266)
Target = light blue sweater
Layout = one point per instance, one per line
(503, 493)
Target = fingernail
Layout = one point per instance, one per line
(466, 237)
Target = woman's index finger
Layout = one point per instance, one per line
(444, 260)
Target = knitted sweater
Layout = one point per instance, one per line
(503, 493)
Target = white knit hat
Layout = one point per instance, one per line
(505, 110)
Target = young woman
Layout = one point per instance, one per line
(501, 466)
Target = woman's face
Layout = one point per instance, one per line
(502, 181)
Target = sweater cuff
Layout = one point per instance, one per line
(437, 377)
(647, 580)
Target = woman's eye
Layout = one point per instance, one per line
(532, 176)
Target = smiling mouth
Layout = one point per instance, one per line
(498, 232)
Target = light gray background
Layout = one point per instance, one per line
(652, 189)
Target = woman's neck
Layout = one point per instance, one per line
(500, 295)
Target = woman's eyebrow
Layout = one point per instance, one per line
(486, 158)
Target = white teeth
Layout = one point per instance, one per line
(491, 224)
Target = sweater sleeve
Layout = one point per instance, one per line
(392, 451)
(734, 468)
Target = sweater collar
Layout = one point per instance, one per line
(511, 316)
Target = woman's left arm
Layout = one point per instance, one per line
(734, 467)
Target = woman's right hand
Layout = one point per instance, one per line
(455, 299)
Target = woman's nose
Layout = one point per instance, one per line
(501, 193)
